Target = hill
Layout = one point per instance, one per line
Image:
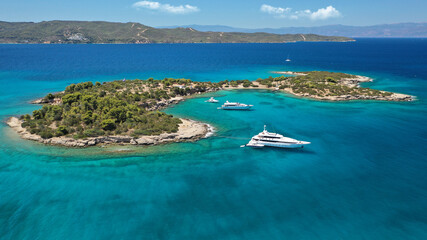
(413, 30)
(111, 32)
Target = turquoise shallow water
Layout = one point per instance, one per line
(363, 176)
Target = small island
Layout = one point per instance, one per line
(127, 111)
(118, 112)
(322, 85)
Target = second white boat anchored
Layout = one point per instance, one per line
(212, 100)
(268, 139)
(235, 106)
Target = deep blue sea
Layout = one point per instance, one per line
(363, 177)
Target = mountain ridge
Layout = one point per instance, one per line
(416, 30)
(132, 32)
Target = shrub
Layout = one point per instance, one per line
(71, 98)
(54, 113)
(247, 84)
(330, 79)
(139, 132)
(34, 130)
(61, 131)
(45, 134)
(72, 120)
(37, 114)
(70, 88)
(79, 135)
(87, 118)
(49, 97)
(93, 132)
(119, 113)
(108, 124)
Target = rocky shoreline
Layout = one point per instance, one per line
(189, 130)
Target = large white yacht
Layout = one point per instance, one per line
(235, 106)
(268, 139)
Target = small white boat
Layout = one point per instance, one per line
(212, 100)
(287, 60)
(268, 139)
(235, 106)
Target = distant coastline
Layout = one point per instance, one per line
(395, 30)
(98, 32)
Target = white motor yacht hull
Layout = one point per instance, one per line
(236, 108)
(267, 139)
(284, 145)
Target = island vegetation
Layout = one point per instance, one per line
(111, 32)
(127, 111)
(118, 107)
(322, 85)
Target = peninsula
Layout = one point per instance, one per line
(127, 111)
(131, 32)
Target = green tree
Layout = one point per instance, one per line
(61, 131)
(49, 97)
(46, 134)
(108, 124)
(87, 117)
(118, 113)
(70, 88)
(37, 114)
(71, 98)
(54, 113)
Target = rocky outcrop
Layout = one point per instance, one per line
(189, 130)
(55, 101)
(355, 81)
(165, 102)
(290, 73)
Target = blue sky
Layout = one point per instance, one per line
(236, 13)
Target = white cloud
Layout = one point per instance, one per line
(325, 13)
(274, 10)
(320, 14)
(181, 9)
